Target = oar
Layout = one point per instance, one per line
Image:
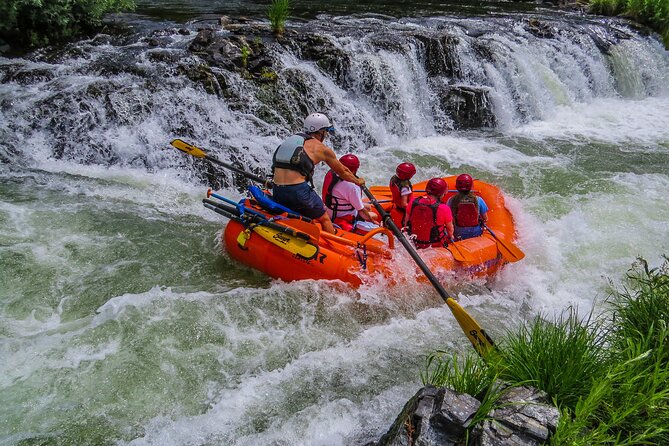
(255, 218)
(457, 254)
(476, 335)
(286, 238)
(509, 251)
(199, 153)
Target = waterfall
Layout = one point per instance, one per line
(119, 101)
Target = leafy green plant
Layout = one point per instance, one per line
(653, 13)
(246, 52)
(278, 12)
(608, 378)
(31, 23)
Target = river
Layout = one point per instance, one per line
(122, 323)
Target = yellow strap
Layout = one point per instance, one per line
(243, 237)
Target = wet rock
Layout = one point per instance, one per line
(440, 416)
(540, 29)
(25, 76)
(468, 106)
(523, 417)
(436, 416)
(321, 50)
(441, 55)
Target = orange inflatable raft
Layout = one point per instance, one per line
(351, 257)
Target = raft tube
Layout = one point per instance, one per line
(351, 257)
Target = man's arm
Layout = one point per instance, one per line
(342, 171)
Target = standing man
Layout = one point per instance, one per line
(293, 165)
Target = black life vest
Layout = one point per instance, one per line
(291, 155)
(423, 223)
(465, 209)
(334, 203)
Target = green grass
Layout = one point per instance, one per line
(278, 12)
(653, 13)
(609, 378)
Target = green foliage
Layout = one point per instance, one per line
(642, 308)
(607, 7)
(246, 52)
(470, 375)
(33, 23)
(653, 13)
(609, 379)
(278, 12)
(557, 357)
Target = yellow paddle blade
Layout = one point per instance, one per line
(295, 245)
(476, 335)
(188, 148)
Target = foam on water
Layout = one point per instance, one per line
(122, 321)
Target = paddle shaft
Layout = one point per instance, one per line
(477, 336)
(510, 252)
(199, 153)
(388, 221)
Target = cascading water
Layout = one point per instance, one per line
(120, 321)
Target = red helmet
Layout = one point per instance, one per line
(464, 183)
(351, 161)
(405, 171)
(436, 186)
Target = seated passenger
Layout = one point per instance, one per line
(402, 190)
(343, 200)
(293, 168)
(429, 220)
(469, 211)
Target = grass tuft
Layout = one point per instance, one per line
(278, 12)
(608, 378)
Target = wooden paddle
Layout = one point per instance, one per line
(476, 335)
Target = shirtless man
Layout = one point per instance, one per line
(293, 165)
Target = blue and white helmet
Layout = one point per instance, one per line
(317, 121)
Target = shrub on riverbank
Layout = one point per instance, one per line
(31, 23)
(608, 378)
(653, 13)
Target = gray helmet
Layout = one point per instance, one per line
(317, 121)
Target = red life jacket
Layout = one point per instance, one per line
(465, 209)
(334, 203)
(396, 186)
(398, 211)
(423, 224)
